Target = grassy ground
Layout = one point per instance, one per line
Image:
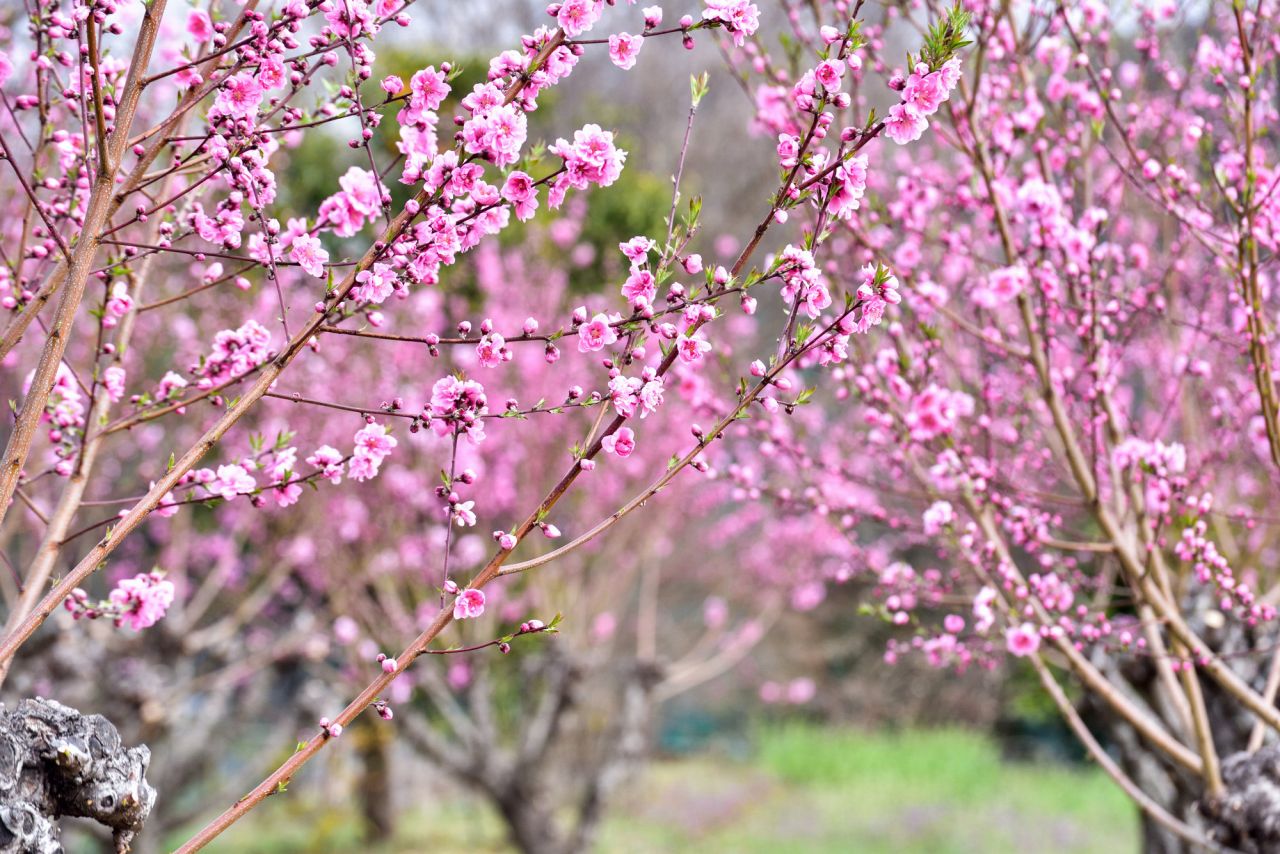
(807, 790)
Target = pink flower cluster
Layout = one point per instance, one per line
(139, 602)
(496, 130)
(373, 444)
(235, 353)
(64, 411)
(740, 18)
(376, 284)
(457, 406)
(935, 411)
(803, 282)
(229, 482)
(923, 93)
(590, 159)
(359, 199)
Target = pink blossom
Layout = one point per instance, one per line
(1022, 640)
(238, 97)
(640, 287)
(491, 350)
(739, 17)
(458, 405)
(925, 92)
(520, 191)
(803, 281)
(984, 615)
(905, 124)
(497, 133)
(715, 613)
(458, 675)
(308, 254)
(788, 150)
(949, 73)
(1002, 286)
(575, 17)
(801, 691)
(624, 48)
(142, 601)
(935, 411)
(693, 348)
(231, 481)
(621, 443)
(374, 285)
(637, 249)
(346, 630)
(650, 396)
(596, 334)
(199, 25)
(463, 514)
(879, 290)
(469, 604)
(362, 191)
(113, 380)
(807, 596)
(937, 517)
(187, 78)
(272, 74)
(329, 461)
(168, 385)
(373, 444)
(428, 89)
(591, 158)
(828, 73)
(118, 305)
(603, 626)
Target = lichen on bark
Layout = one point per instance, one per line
(56, 762)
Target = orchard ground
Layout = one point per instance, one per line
(803, 789)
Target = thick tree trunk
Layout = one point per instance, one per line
(530, 824)
(1249, 815)
(374, 793)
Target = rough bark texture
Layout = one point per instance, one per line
(1247, 817)
(57, 762)
(1246, 827)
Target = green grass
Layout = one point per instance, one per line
(807, 790)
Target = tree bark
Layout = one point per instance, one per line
(55, 762)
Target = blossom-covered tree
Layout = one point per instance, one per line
(1000, 337)
(1061, 454)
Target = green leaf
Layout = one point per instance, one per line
(698, 86)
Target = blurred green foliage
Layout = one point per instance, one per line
(808, 789)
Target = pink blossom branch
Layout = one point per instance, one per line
(19, 444)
